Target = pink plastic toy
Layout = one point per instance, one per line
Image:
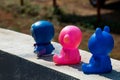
(70, 38)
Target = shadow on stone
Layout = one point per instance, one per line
(114, 75)
(78, 66)
(47, 58)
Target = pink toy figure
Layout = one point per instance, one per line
(70, 37)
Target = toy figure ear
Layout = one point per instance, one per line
(107, 29)
(66, 39)
(98, 33)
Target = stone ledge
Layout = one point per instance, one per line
(17, 52)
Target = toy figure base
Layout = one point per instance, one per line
(44, 50)
(62, 61)
(44, 55)
(97, 65)
(91, 69)
(67, 57)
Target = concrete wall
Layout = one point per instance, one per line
(16, 68)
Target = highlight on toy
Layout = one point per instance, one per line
(70, 37)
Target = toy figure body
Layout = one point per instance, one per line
(42, 32)
(70, 38)
(100, 45)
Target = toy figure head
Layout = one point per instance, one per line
(70, 37)
(101, 42)
(42, 31)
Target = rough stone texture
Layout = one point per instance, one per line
(18, 62)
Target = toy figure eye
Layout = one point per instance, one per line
(66, 38)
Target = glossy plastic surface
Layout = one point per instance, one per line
(42, 32)
(70, 38)
(100, 45)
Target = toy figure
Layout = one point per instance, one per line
(70, 38)
(100, 45)
(42, 32)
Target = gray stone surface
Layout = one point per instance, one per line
(18, 62)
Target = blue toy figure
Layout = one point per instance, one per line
(100, 45)
(42, 32)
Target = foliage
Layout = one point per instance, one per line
(32, 10)
(28, 9)
(60, 16)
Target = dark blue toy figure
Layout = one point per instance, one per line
(42, 32)
(100, 45)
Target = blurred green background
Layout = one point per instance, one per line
(19, 17)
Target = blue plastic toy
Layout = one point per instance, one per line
(100, 45)
(42, 32)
